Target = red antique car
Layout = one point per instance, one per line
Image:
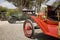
(48, 20)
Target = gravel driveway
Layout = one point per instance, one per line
(15, 32)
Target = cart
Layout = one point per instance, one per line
(48, 20)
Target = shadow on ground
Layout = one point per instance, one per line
(42, 36)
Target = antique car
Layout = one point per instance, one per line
(14, 17)
(48, 20)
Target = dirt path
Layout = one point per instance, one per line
(15, 32)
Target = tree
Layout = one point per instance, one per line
(21, 3)
(12, 12)
(3, 11)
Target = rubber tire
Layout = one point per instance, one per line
(32, 35)
(12, 20)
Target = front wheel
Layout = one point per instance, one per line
(28, 29)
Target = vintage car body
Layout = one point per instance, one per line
(49, 26)
(48, 20)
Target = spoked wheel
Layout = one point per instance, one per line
(28, 29)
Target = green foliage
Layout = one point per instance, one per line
(12, 12)
(3, 9)
(5, 13)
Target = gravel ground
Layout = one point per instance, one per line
(11, 31)
(15, 32)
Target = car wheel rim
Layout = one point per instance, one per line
(28, 29)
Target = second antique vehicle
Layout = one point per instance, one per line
(48, 20)
(14, 17)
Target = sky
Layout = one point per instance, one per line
(50, 2)
(7, 4)
(2, 1)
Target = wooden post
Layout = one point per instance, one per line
(59, 28)
(45, 13)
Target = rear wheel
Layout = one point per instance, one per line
(12, 20)
(28, 29)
